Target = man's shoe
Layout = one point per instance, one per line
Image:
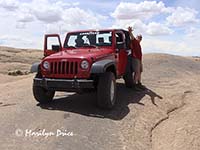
(136, 88)
(139, 85)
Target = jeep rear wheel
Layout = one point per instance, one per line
(42, 95)
(106, 90)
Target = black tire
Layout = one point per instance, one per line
(128, 79)
(106, 90)
(42, 95)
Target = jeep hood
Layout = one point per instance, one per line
(83, 53)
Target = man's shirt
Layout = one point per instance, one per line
(136, 49)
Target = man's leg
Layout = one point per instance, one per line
(140, 72)
(129, 72)
(140, 78)
(136, 74)
(135, 70)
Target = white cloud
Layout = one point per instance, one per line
(54, 12)
(45, 11)
(154, 28)
(76, 16)
(48, 15)
(75, 19)
(182, 16)
(63, 4)
(135, 23)
(25, 17)
(193, 32)
(50, 12)
(138, 16)
(20, 25)
(10, 5)
(142, 10)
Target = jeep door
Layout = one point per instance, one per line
(121, 55)
(52, 44)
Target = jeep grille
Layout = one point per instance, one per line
(64, 67)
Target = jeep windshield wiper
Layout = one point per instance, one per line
(71, 47)
(91, 46)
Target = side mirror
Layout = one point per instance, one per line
(56, 48)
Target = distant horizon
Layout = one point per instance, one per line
(171, 27)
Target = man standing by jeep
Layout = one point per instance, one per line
(136, 51)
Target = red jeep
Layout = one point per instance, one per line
(89, 60)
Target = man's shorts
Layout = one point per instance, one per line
(133, 65)
(136, 65)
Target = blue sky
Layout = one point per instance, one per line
(167, 26)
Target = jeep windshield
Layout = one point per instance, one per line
(88, 39)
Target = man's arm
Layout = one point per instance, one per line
(130, 30)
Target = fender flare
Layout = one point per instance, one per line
(34, 67)
(101, 66)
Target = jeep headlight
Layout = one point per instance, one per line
(84, 64)
(46, 65)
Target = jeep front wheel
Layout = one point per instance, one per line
(106, 90)
(42, 95)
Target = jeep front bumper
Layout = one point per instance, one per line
(63, 84)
